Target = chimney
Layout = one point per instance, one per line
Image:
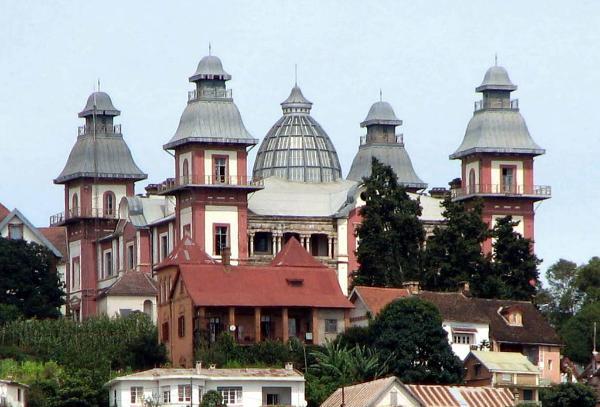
(198, 367)
(464, 288)
(212, 367)
(438, 192)
(413, 287)
(289, 366)
(456, 183)
(226, 256)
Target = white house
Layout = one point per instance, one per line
(12, 393)
(186, 387)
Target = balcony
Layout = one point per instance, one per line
(110, 129)
(399, 139)
(533, 191)
(80, 213)
(212, 181)
(209, 94)
(496, 104)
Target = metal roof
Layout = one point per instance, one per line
(514, 362)
(461, 396)
(381, 113)
(100, 104)
(496, 78)
(210, 67)
(297, 148)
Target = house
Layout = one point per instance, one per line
(475, 323)
(510, 370)
(133, 291)
(199, 298)
(13, 394)
(181, 387)
(391, 392)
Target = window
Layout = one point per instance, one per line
(231, 395)
(214, 328)
(148, 308)
(508, 179)
(187, 230)
(549, 363)
(19, 395)
(165, 332)
(393, 398)
(181, 326)
(462, 339)
(15, 231)
(266, 326)
(527, 395)
(164, 246)
(137, 395)
(166, 394)
(221, 239)
(477, 372)
(75, 274)
(263, 243)
(109, 203)
(220, 169)
(515, 318)
(130, 257)
(506, 377)
(472, 181)
(272, 399)
(108, 264)
(74, 204)
(186, 171)
(184, 392)
(331, 326)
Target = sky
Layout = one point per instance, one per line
(425, 56)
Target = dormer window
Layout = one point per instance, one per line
(512, 315)
(15, 231)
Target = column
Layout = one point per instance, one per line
(315, 325)
(329, 246)
(231, 318)
(284, 325)
(279, 242)
(251, 237)
(202, 319)
(308, 243)
(274, 243)
(257, 324)
(335, 251)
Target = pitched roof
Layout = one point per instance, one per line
(186, 252)
(461, 396)
(376, 298)
(57, 235)
(364, 394)
(504, 361)
(294, 255)
(3, 211)
(460, 308)
(36, 232)
(132, 283)
(263, 286)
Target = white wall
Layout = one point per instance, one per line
(221, 214)
(475, 167)
(462, 350)
(496, 173)
(111, 305)
(98, 196)
(336, 314)
(402, 398)
(359, 311)
(232, 167)
(9, 392)
(185, 217)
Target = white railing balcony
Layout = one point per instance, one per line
(210, 93)
(81, 213)
(504, 104)
(111, 129)
(542, 191)
(209, 180)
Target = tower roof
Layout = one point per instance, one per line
(496, 78)
(210, 116)
(381, 113)
(101, 151)
(99, 103)
(297, 148)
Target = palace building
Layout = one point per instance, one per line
(295, 195)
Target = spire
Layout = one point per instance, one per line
(209, 49)
(295, 75)
(296, 102)
(380, 95)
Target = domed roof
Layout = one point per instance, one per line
(381, 113)
(100, 104)
(210, 67)
(297, 148)
(496, 78)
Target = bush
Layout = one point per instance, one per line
(212, 398)
(568, 395)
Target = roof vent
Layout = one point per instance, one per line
(295, 282)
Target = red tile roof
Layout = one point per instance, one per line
(132, 283)
(58, 237)
(449, 396)
(4, 212)
(294, 255)
(186, 252)
(263, 286)
(375, 298)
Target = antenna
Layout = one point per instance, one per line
(496, 59)
(98, 85)
(209, 48)
(295, 74)
(380, 95)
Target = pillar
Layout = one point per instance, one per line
(202, 318)
(335, 250)
(308, 243)
(274, 243)
(257, 324)
(329, 246)
(251, 238)
(231, 318)
(284, 325)
(315, 325)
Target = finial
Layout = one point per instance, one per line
(295, 74)
(496, 59)
(209, 49)
(380, 95)
(98, 85)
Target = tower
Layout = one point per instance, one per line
(497, 156)
(99, 172)
(211, 182)
(382, 143)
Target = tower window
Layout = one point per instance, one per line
(74, 205)
(108, 264)
(130, 256)
(220, 169)
(508, 179)
(186, 171)
(472, 181)
(221, 238)
(109, 203)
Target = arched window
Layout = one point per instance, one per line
(472, 187)
(109, 203)
(186, 171)
(75, 205)
(148, 308)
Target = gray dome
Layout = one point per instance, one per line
(210, 67)
(100, 104)
(496, 78)
(381, 113)
(297, 148)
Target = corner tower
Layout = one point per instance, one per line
(99, 172)
(382, 143)
(211, 182)
(497, 155)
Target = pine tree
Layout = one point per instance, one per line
(391, 235)
(453, 253)
(515, 264)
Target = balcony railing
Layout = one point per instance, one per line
(80, 213)
(82, 130)
(210, 94)
(480, 105)
(399, 139)
(543, 191)
(208, 180)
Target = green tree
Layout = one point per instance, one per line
(212, 398)
(578, 332)
(411, 330)
(514, 272)
(29, 280)
(564, 294)
(568, 395)
(453, 252)
(391, 234)
(588, 281)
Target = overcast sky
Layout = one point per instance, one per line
(426, 56)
